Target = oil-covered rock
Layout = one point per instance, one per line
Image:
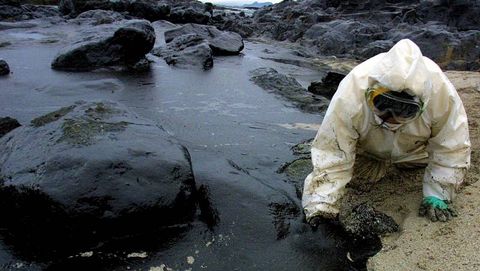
(90, 173)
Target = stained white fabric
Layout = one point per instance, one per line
(440, 133)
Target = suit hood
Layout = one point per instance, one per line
(403, 68)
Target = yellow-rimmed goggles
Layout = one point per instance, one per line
(400, 106)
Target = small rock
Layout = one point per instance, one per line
(328, 86)
(189, 50)
(5, 44)
(221, 42)
(7, 124)
(289, 88)
(4, 68)
(143, 65)
(303, 148)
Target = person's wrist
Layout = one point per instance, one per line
(435, 202)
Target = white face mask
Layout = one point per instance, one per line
(387, 125)
(391, 126)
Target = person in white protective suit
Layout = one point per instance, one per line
(395, 108)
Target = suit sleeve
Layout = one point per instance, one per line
(448, 147)
(333, 155)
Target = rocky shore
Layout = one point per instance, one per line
(446, 31)
(353, 29)
(162, 130)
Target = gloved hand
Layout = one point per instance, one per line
(322, 218)
(436, 209)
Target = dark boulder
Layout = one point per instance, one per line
(461, 14)
(184, 11)
(221, 42)
(88, 173)
(289, 88)
(288, 20)
(4, 68)
(234, 24)
(99, 16)
(268, 78)
(341, 37)
(7, 124)
(328, 85)
(374, 48)
(10, 9)
(189, 14)
(13, 11)
(40, 11)
(10, 2)
(452, 50)
(8, 12)
(113, 45)
(185, 51)
(75, 7)
(149, 10)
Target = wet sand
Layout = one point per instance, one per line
(421, 244)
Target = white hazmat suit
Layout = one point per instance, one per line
(439, 135)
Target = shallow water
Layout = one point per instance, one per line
(238, 136)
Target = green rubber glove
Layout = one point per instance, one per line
(436, 209)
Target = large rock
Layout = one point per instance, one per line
(452, 50)
(7, 124)
(150, 10)
(461, 14)
(221, 42)
(195, 13)
(99, 16)
(234, 23)
(75, 7)
(4, 68)
(10, 12)
(187, 51)
(121, 44)
(14, 11)
(289, 88)
(341, 37)
(10, 2)
(88, 172)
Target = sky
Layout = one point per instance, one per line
(239, 2)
